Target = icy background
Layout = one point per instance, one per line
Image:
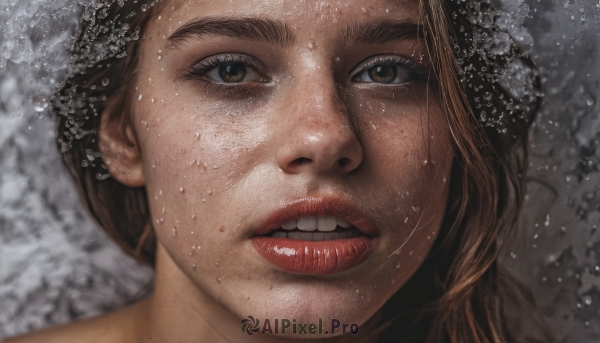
(55, 265)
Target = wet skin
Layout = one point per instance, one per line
(229, 129)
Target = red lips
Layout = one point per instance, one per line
(317, 257)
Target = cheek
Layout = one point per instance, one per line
(192, 159)
(409, 154)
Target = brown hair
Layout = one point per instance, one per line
(469, 290)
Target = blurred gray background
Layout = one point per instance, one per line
(56, 265)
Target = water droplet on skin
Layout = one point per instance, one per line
(84, 163)
(587, 300)
(182, 190)
(416, 208)
(193, 266)
(196, 135)
(406, 220)
(193, 216)
(104, 82)
(174, 232)
(40, 103)
(398, 265)
(312, 45)
(209, 192)
(217, 264)
(357, 291)
(140, 98)
(159, 57)
(218, 280)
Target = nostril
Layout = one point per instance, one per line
(344, 161)
(301, 160)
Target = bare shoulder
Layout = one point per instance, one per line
(118, 326)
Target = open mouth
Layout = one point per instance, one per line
(316, 228)
(316, 236)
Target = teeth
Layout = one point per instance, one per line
(308, 223)
(312, 223)
(327, 236)
(289, 225)
(343, 223)
(316, 236)
(326, 223)
(279, 234)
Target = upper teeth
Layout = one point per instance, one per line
(312, 223)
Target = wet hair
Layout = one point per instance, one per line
(490, 94)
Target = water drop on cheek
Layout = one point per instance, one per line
(181, 190)
(218, 280)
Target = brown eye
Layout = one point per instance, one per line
(383, 74)
(232, 73)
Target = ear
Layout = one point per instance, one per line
(120, 149)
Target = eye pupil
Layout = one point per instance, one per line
(383, 74)
(232, 72)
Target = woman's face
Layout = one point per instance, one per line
(269, 119)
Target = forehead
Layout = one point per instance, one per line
(299, 15)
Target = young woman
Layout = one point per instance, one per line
(297, 170)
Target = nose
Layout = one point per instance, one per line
(317, 135)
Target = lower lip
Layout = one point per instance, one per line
(315, 257)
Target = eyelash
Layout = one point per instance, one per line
(198, 72)
(416, 71)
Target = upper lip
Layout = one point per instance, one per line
(319, 206)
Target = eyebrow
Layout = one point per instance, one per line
(273, 32)
(378, 32)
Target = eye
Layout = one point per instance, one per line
(231, 73)
(389, 70)
(227, 69)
